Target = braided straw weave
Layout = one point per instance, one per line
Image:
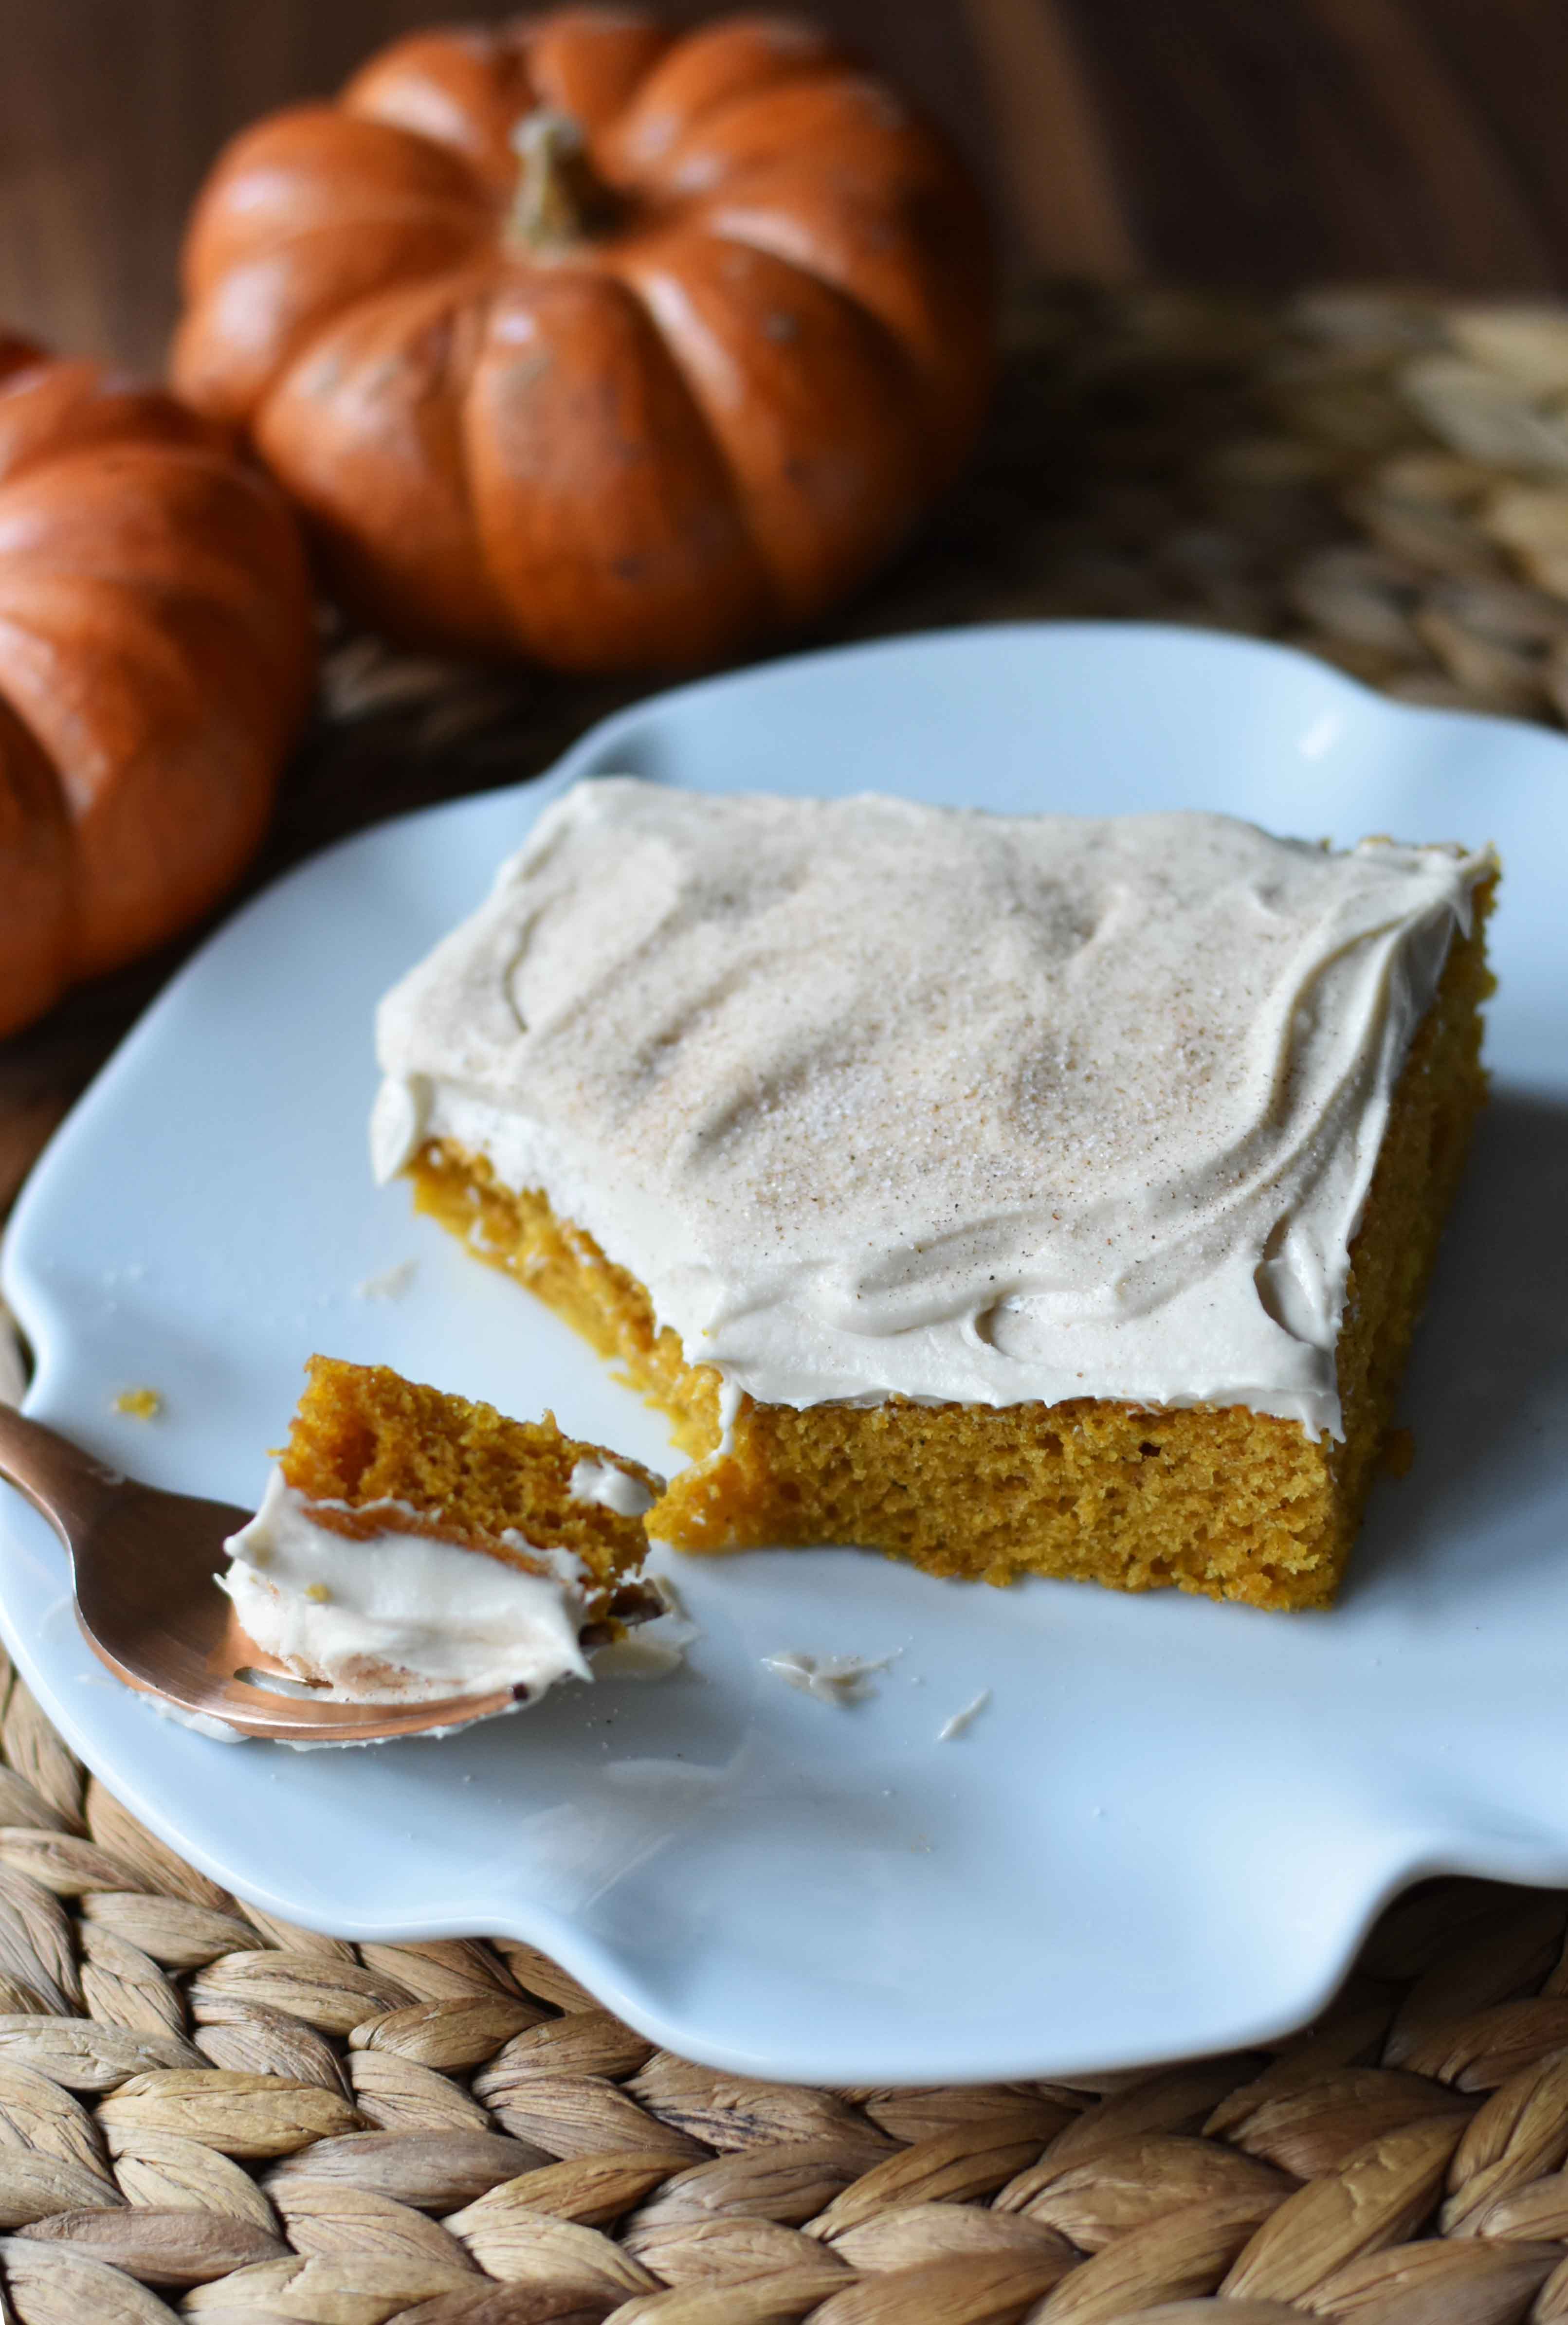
(204, 2111)
(201, 2105)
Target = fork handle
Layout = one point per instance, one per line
(62, 1482)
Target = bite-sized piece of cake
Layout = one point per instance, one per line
(1038, 1194)
(413, 1546)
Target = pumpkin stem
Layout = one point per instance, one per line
(558, 199)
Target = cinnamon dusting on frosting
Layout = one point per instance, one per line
(886, 1100)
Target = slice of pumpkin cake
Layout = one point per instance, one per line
(413, 1546)
(1047, 1194)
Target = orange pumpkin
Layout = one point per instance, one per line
(581, 339)
(156, 654)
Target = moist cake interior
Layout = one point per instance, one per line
(363, 1438)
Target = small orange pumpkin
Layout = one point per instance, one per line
(156, 653)
(683, 373)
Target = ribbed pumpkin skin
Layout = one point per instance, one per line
(705, 421)
(156, 657)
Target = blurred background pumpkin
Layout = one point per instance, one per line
(156, 652)
(579, 339)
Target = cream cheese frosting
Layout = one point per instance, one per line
(609, 1488)
(399, 1617)
(879, 1099)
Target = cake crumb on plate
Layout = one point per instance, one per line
(962, 1721)
(831, 1679)
(391, 1283)
(140, 1403)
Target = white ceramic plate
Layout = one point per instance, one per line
(1172, 1824)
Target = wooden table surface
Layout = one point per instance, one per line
(1254, 142)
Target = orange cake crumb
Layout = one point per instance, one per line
(140, 1403)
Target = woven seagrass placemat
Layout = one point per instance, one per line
(203, 2109)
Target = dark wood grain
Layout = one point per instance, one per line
(1262, 145)
(1254, 143)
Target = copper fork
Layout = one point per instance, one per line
(144, 1563)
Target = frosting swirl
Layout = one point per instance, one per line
(880, 1099)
